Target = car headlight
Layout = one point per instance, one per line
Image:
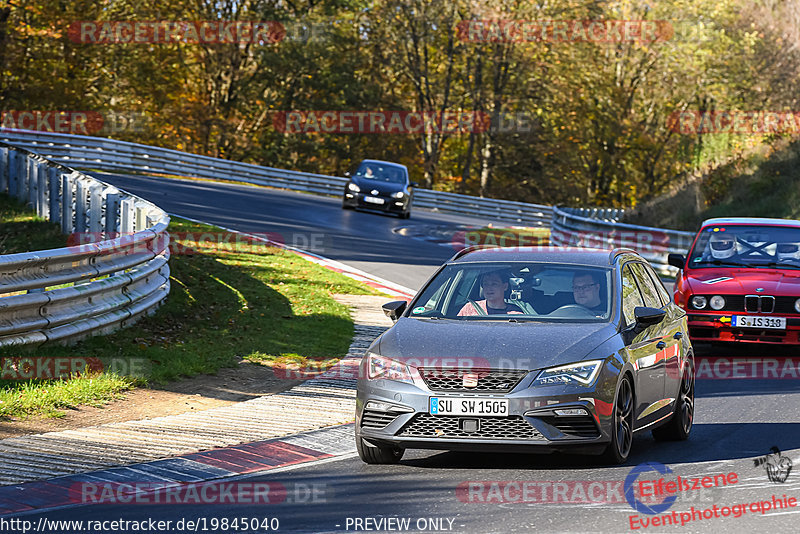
(699, 302)
(581, 373)
(380, 367)
(717, 302)
(353, 187)
(797, 305)
(399, 194)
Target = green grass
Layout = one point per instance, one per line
(22, 231)
(255, 303)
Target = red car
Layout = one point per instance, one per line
(741, 281)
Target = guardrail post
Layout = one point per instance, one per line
(33, 184)
(13, 155)
(80, 206)
(53, 194)
(140, 221)
(41, 188)
(22, 182)
(126, 221)
(4, 161)
(67, 212)
(95, 209)
(112, 214)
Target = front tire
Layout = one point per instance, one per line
(619, 449)
(377, 454)
(680, 424)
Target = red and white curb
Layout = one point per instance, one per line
(175, 476)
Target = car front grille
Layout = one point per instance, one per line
(581, 426)
(430, 426)
(377, 420)
(488, 380)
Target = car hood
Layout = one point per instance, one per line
(384, 187)
(745, 281)
(494, 344)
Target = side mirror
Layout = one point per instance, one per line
(393, 310)
(414, 184)
(347, 174)
(648, 316)
(676, 260)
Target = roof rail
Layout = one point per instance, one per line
(471, 248)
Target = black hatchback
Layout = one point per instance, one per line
(379, 185)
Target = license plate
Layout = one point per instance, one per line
(468, 406)
(757, 321)
(374, 200)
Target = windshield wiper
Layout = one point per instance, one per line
(730, 263)
(777, 264)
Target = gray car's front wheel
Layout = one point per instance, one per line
(374, 454)
(622, 424)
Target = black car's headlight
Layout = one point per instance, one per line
(353, 187)
(399, 194)
(580, 373)
(380, 367)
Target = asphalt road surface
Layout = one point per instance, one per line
(737, 421)
(365, 240)
(462, 492)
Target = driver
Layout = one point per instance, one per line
(722, 246)
(788, 251)
(494, 285)
(586, 291)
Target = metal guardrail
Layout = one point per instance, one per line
(571, 227)
(111, 155)
(62, 295)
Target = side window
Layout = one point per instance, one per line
(630, 294)
(666, 298)
(649, 291)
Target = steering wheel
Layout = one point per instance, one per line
(576, 307)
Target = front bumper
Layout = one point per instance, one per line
(531, 424)
(716, 327)
(390, 204)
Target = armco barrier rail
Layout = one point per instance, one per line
(111, 155)
(65, 294)
(571, 227)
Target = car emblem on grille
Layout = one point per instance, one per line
(470, 380)
(374, 192)
(759, 289)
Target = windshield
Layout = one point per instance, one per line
(381, 173)
(517, 291)
(747, 246)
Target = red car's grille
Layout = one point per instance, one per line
(759, 304)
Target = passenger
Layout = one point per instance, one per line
(586, 291)
(495, 285)
(368, 173)
(788, 252)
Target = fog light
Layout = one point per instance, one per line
(386, 407)
(699, 302)
(717, 302)
(797, 305)
(571, 411)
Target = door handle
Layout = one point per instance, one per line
(678, 335)
(660, 345)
